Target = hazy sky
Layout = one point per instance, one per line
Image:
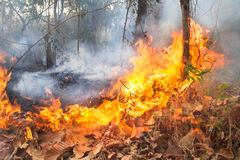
(208, 11)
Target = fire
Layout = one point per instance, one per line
(28, 133)
(157, 73)
(6, 108)
(155, 77)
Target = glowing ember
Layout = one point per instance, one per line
(155, 77)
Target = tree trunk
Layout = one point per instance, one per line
(185, 6)
(129, 3)
(62, 8)
(3, 14)
(94, 21)
(50, 56)
(78, 31)
(140, 20)
(55, 10)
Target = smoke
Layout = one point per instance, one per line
(220, 17)
(163, 21)
(223, 18)
(79, 76)
(102, 59)
(34, 85)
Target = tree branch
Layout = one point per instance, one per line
(54, 28)
(19, 15)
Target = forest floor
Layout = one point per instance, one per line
(203, 128)
(202, 124)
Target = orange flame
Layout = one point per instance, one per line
(155, 77)
(28, 133)
(6, 108)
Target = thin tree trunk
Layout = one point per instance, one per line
(185, 7)
(55, 10)
(49, 53)
(62, 8)
(94, 22)
(52, 29)
(78, 31)
(126, 18)
(2, 20)
(19, 15)
(11, 20)
(141, 13)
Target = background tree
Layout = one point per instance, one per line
(140, 19)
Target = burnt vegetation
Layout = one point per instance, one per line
(119, 79)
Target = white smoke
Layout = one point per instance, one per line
(111, 61)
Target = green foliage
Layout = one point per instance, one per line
(221, 90)
(193, 73)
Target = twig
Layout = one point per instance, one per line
(13, 153)
(9, 41)
(23, 21)
(40, 14)
(124, 84)
(54, 28)
(230, 132)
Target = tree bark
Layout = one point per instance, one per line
(185, 6)
(50, 56)
(94, 21)
(62, 8)
(140, 20)
(129, 3)
(78, 31)
(55, 10)
(3, 14)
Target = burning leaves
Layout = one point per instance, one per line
(7, 110)
(156, 76)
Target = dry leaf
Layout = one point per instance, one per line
(54, 151)
(5, 149)
(126, 157)
(97, 148)
(158, 114)
(238, 154)
(89, 156)
(49, 138)
(150, 121)
(205, 147)
(199, 107)
(113, 143)
(35, 154)
(187, 141)
(174, 150)
(226, 153)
